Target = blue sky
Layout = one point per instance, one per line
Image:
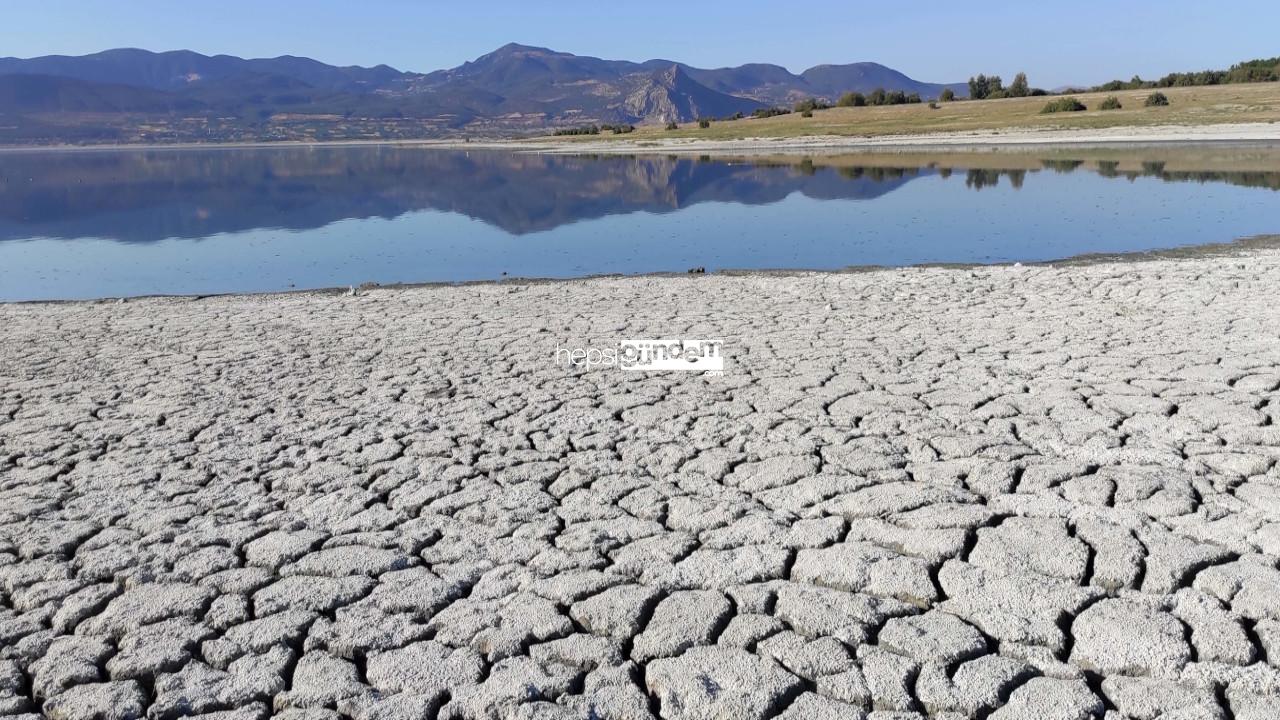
(1056, 43)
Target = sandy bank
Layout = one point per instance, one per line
(1009, 138)
(1012, 137)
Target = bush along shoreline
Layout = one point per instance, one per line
(1064, 104)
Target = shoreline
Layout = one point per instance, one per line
(1014, 137)
(1240, 247)
(979, 140)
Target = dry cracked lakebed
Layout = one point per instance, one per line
(1040, 492)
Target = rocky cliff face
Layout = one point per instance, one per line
(670, 95)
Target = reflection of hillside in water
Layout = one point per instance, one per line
(148, 196)
(144, 196)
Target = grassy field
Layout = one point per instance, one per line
(1251, 103)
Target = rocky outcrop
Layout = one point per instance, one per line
(670, 95)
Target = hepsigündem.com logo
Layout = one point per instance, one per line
(683, 355)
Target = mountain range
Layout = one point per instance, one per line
(515, 88)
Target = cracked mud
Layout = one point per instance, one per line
(1000, 493)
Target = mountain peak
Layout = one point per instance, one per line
(865, 65)
(669, 75)
(518, 49)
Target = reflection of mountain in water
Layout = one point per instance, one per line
(144, 196)
(148, 196)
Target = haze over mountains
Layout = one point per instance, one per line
(515, 88)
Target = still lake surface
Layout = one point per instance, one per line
(136, 222)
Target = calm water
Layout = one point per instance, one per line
(107, 224)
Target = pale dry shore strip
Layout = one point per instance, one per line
(995, 492)
(977, 139)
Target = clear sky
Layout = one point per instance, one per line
(1056, 43)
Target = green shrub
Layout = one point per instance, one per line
(704, 123)
(806, 114)
(933, 105)
(586, 130)
(1111, 103)
(769, 112)
(1156, 99)
(947, 95)
(852, 99)
(673, 125)
(810, 105)
(1066, 104)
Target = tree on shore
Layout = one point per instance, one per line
(983, 87)
(1020, 87)
(585, 130)
(1261, 70)
(947, 95)
(991, 87)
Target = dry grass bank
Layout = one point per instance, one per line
(1193, 106)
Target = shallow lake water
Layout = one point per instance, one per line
(89, 224)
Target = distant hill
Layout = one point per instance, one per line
(776, 85)
(48, 94)
(514, 89)
(833, 80)
(181, 69)
(772, 84)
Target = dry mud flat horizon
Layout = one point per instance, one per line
(1039, 492)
